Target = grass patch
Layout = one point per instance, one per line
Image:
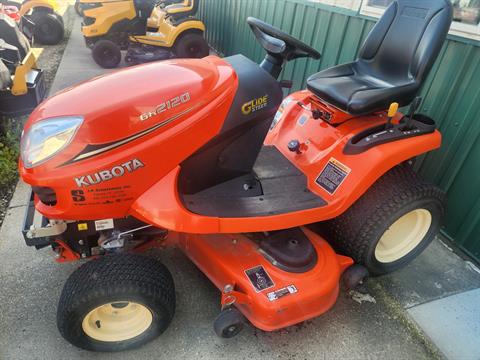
(10, 131)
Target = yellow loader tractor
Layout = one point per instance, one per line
(22, 85)
(40, 19)
(148, 30)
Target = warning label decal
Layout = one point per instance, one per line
(275, 295)
(333, 175)
(259, 278)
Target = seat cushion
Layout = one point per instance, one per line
(357, 92)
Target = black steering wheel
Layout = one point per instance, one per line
(280, 44)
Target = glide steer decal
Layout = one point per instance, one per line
(255, 105)
(109, 174)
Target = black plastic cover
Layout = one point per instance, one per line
(290, 250)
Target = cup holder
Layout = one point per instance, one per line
(420, 121)
(424, 119)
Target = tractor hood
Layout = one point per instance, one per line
(132, 100)
(123, 131)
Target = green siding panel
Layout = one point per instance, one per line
(451, 93)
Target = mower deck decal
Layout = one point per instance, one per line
(259, 278)
(333, 175)
(93, 150)
(275, 295)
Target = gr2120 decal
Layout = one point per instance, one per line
(109, 174)
(166, 105)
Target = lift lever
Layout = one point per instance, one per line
(392, 111)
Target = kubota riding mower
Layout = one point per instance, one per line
(213, 160)
(148, 30)
(40, 19)
(22, 86)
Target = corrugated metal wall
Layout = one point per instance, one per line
(451, 93)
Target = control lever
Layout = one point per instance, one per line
(392, 111)
(413, 109)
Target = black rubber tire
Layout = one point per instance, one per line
(48, 29)
(107, 54)
(39, 11)
(191, 45)
(354, 276)
(228, 323)
(59, 18)
(356, 232)
(116, 278)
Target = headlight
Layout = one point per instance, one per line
(48, 137)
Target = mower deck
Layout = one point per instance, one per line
(267, 296)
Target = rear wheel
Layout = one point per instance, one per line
(48, 29)
(107, 54)
(116, 303)
(391, 224)
(191, 45)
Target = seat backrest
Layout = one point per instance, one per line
(184, 9)
(405, 42)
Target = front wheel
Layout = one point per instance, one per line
(107, 54)
(191, 45)
(391, 224)
(116, 303)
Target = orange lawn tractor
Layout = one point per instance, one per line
(274, 199)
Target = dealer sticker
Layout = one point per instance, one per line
(275, 295)
(104, 224)
(259, 278)
(333, 175)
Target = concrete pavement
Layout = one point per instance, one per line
(31, 282)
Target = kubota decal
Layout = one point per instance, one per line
(255, 105)
(106, 175)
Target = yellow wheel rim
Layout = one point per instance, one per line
(403, 236)
(117, 321)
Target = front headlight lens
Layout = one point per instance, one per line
(46, 138)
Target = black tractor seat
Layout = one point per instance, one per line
(393, 62)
